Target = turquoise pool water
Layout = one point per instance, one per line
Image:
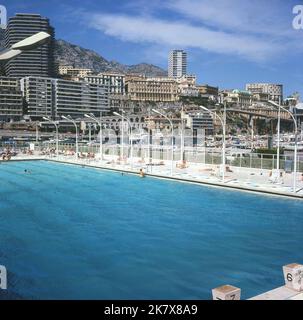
(69, 232)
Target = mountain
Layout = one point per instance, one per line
(70, 54)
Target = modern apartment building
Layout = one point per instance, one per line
(76, 98)
(57, 97)
(275, 91)
(38, 94)
(11, 106)
(196, 121)
(151, 89)
(2, 46)
(177, 64)
(39, 62)
(115, 82)
(2, 38)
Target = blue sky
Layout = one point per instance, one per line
(229, 42)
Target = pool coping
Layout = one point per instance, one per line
(158, 176)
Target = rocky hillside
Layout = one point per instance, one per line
(69, 54)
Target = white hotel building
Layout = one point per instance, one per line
(114, 81)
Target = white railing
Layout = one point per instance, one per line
(201, 155)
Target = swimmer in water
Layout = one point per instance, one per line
(142, 174)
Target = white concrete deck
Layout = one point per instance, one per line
(281, 293)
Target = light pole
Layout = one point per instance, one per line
(296, 141)
(182, 135)
(150, 160)
(278, 133)
(122, 139)
(172, 139)
(69, 119)
(89, 133)
(57, 133)
(37, 132)
(131, 134)
(92, 117)
(252, 134)
(224, 139)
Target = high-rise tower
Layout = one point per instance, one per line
(38, 62)
(177, 64)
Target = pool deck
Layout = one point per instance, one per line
(281, 293)
(243, 179)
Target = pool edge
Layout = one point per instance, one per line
(206, 183)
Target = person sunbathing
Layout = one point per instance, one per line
(182, 165)
(6, 157)
(228, 169)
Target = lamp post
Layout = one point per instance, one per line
(150, 160)
(224, 139)
(89, 133)
(172, 139)
(92, 117)
(131, 135)
(182, 147)
(69, 119)
(37, 132)
(57, 133)
(278, 133)
(252, 134)
(296, 141)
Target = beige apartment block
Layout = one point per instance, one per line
(151, 89)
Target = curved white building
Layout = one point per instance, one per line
(7, 54)
(32, 42)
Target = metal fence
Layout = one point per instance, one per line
(195, 155)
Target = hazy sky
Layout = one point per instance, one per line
(229, 42)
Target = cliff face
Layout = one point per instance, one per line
(69, 54)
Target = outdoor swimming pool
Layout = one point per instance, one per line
(68, 232)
